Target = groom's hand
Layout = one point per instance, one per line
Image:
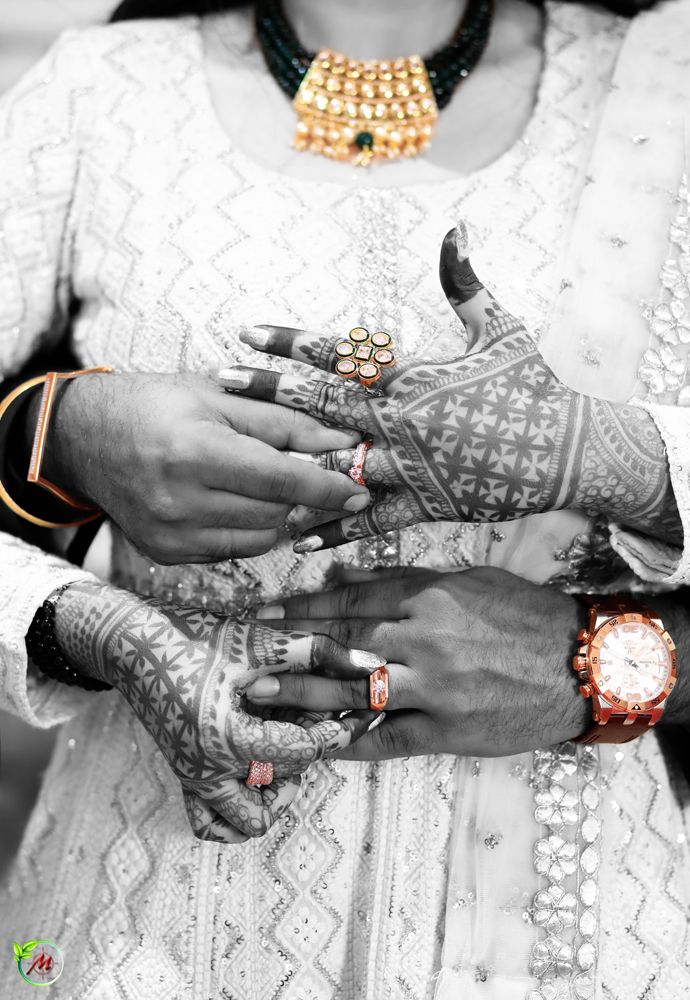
(187, 472)
(479, 662)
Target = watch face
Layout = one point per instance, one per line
(633, 662)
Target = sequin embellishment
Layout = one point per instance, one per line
(664, 368)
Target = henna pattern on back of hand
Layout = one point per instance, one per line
(490, 435)
(183, 672)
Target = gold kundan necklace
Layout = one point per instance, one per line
(376, 110)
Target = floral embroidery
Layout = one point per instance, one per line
(555, 857)
(552, 956)
(675, 276)
(556, 764)
(553, 990)
(662, 370)
(671, 322)
(555, 807)
(554, 908)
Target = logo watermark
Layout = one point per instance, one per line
(39, 962)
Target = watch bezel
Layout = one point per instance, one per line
(596, 674)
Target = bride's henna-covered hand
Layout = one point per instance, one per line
(183, 672)
(491, 435)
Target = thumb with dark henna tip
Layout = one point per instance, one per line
(463, 289)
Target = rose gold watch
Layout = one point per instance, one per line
(627, 666)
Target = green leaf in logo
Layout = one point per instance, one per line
(28, 948)
(17, 951)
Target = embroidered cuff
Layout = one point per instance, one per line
(29, 576)
(650, 559)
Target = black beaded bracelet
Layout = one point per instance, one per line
(44, 651)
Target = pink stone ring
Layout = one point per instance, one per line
(260, 773)
(356, 470)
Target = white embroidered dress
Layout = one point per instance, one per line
(559, 874)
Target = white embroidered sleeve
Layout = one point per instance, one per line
(28, 577)
(650, 559)
(40, 124)
(40, 120)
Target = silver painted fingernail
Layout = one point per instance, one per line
(256, 336)
(311, 544)
(462, 241)
(365, 660)
(230, 378)
(377, 721)
(264, 687)
(356, 503)
(292, 524)
(272, 612)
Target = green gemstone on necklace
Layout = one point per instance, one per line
(364, 140)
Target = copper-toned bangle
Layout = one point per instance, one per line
(49, 381)
(42, 425)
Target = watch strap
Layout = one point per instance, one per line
(610, 605)
(616, 730)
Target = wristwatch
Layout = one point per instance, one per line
(627, 666)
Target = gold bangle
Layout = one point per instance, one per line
(39, 445)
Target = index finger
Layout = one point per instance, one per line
(280, 427)
(291, 748)
(390, 638)
(323, 351)
(316, 349)
(342, 405)
(358, 600)
(400, 734)
(254, 469)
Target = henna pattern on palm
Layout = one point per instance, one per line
(490, 435)
(183, 672)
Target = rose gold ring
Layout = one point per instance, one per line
(356, 471)
(260, 773)
(378, 689)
